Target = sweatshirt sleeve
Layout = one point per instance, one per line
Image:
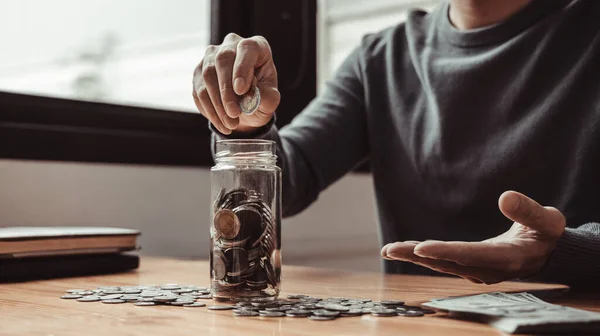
(575, 260)
(324, 142)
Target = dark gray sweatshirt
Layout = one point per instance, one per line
(451, 119)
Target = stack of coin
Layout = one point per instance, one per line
(245, 260)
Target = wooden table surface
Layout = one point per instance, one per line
(34, 308)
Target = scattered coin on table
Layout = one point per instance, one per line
(293, 306)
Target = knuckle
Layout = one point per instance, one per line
(249, 44)
(208, 71)
(211, 49)
(232, 36)
(225, 55)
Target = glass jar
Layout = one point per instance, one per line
(245, 256)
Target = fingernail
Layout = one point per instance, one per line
(239, 84)
(233, 110)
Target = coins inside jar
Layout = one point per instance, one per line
(245, 260)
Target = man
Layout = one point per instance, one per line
(454, 109)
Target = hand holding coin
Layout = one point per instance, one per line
(235, 84)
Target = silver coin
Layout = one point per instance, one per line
(324, 312)
(265, 313)
(352, 312)
(205, 297)
(145, 299)
(71, 296)
(243, 312)
(392, 303)
(250, 101)
(220, 307)
(410, 313)
(427, 311)
(383, 312)
(180, 303)
(114, 301)
(144, 304)
(89, 298)
(112, 296)
(219, 264)
(336, 307)
(195, 304)
(130, 298)
(299, 312)
(321, 318)
(165, 298)
(297, 296)
(75, 291)
(132, 291)
(182, 291)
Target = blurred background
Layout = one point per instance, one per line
(123, 57)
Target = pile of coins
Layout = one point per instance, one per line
(296, 306)
(318, 309)
(148, 295)
(245, 259)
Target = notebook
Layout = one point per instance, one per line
(21, 242)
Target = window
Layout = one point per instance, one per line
(344, 23)
(118, 51)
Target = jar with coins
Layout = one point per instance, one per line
(245, 231)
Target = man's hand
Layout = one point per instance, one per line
(519, 252)
(228, 71)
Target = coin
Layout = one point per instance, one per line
(142, 304)
(297, 296)
(71, 296)
(352, 312)
(220, 307)
(219, 265)
(165, 298)
(427, 311)
(195, 304)
(227, 224)
(243, 312)
(299, 312)
(112, 296)
(409, 313)
(324, 312)
(113, 301)
(89, 298)
(75, 291)
(384, 312)
(250, 101)
(265, 313)
(336, 307)
(321, 318)
(392, 303)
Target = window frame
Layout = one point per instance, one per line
(57, 129)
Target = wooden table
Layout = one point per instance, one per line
(34, 308)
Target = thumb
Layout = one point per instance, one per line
(548, 221)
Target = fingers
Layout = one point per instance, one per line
(211, 83)
(208, 111)
(522, 209)
(404, 252)
(500, 256)
(224, 61)
(252, 53)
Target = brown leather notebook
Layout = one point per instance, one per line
(19, 242)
